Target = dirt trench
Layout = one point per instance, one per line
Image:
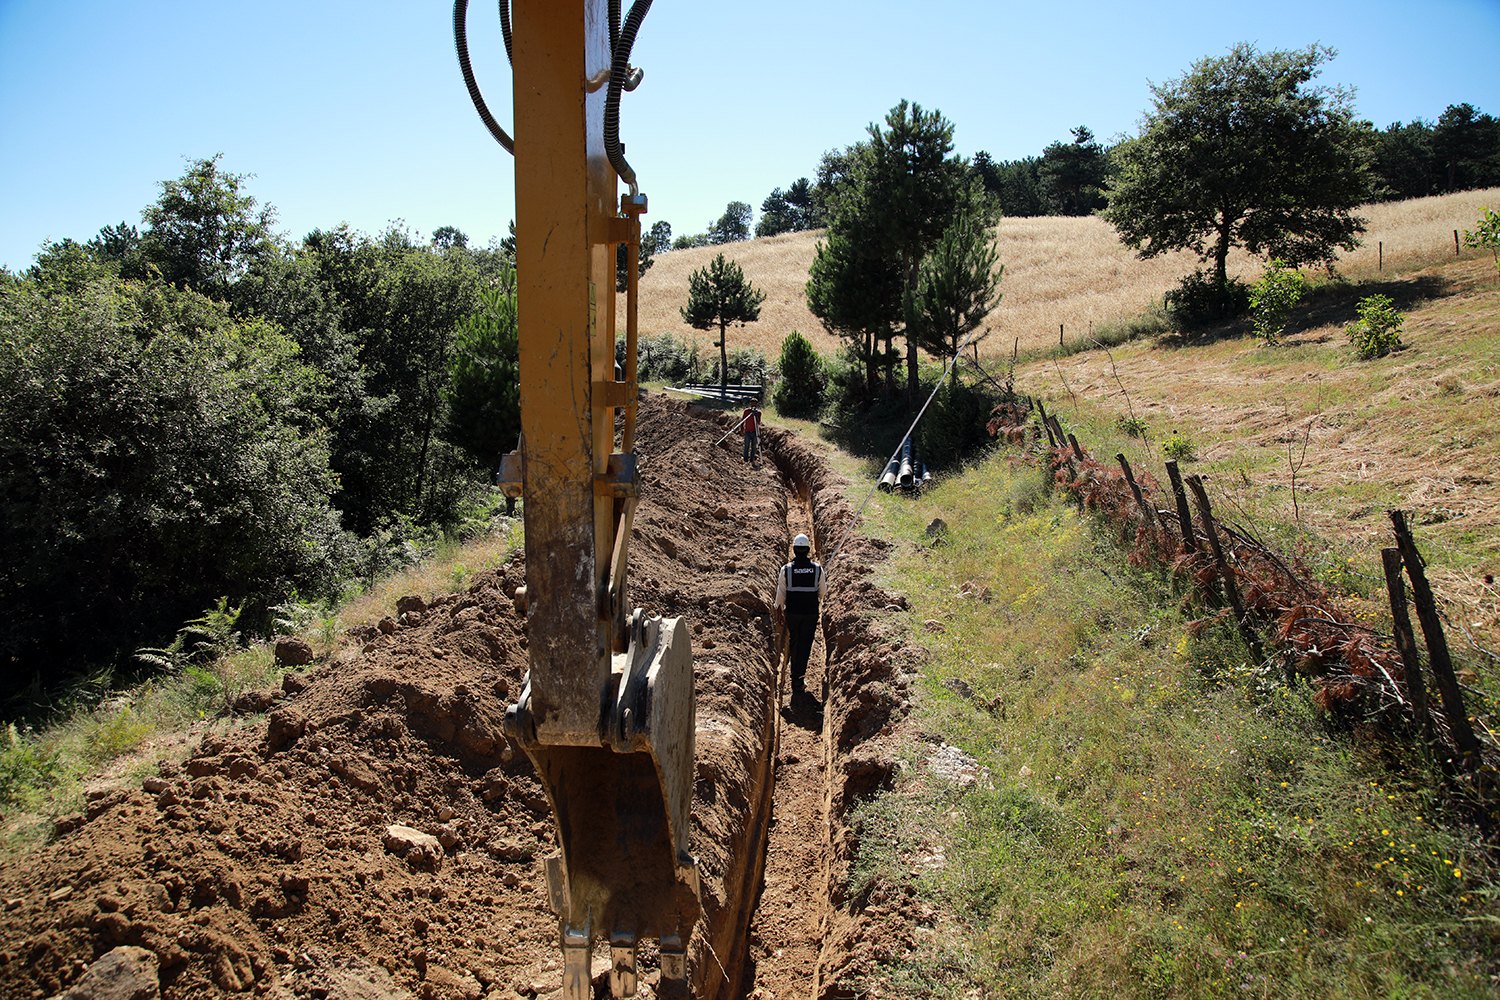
(266, 863)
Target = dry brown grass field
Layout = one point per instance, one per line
(1419, 429)
(1068, 271)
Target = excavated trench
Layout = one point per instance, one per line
(265, 862)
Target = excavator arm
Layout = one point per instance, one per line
(607, 711)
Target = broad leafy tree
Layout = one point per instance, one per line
(718, 295)
(204, 232)
(658, 238)
(449, 238)
(655, 240)
(733, 226)
(1243, 151)
(158, 455)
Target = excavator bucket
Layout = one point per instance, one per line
(622, 811)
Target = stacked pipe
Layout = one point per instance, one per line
(907, 472)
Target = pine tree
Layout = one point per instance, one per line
(717, 296)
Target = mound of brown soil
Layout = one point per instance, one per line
(376, 835)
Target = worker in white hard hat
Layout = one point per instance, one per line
(799, 589)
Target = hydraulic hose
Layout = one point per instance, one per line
(461, 43)
(618, 70)
(510, 56)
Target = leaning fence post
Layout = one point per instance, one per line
(1140, 499)
(1183, 517)
(1063, 444)
(1226, 572)
(1437, 644)
(1046, 422)
(1406, 642)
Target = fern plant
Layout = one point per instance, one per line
(200, 641)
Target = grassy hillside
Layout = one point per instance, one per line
(1302, 433)
(1306, 435)
(1069, 271)
(1105, 803)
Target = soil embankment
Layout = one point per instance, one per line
(266, 863)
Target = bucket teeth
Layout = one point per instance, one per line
(673, 968)
(622, 973)
(575, 945)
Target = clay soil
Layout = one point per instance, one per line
(264, 864)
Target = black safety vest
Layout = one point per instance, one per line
(802, 577)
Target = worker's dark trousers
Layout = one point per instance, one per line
(800, 630)
(752, 447)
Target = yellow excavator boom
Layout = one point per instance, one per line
(607, 712)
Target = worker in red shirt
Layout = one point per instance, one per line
(750, 427)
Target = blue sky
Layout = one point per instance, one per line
(356, 113)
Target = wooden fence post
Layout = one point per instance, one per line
(1406, 643)
(1140, 499)
(1184, 518)
(1455, 242)
(1046, 422)
(1064, 439)
(1226, 572)
(1381, 265)
(1437, 644)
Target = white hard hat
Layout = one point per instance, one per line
(801, 542)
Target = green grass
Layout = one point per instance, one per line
(1155, 818)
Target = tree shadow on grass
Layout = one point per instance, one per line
(1332, 304)
(871, 432)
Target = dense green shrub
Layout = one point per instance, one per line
(747, 366)
(396, 544)
(1486, 234)
(157, 454)
(1274, 297)
(799, 393)
(848, 391)
(953, 429)
(1198, 299)
(1377, 331)
(1179, 448)
(663, 358)
(26, 766)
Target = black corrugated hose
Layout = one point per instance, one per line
(622, 40)
(461, 43)
(618, 70)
